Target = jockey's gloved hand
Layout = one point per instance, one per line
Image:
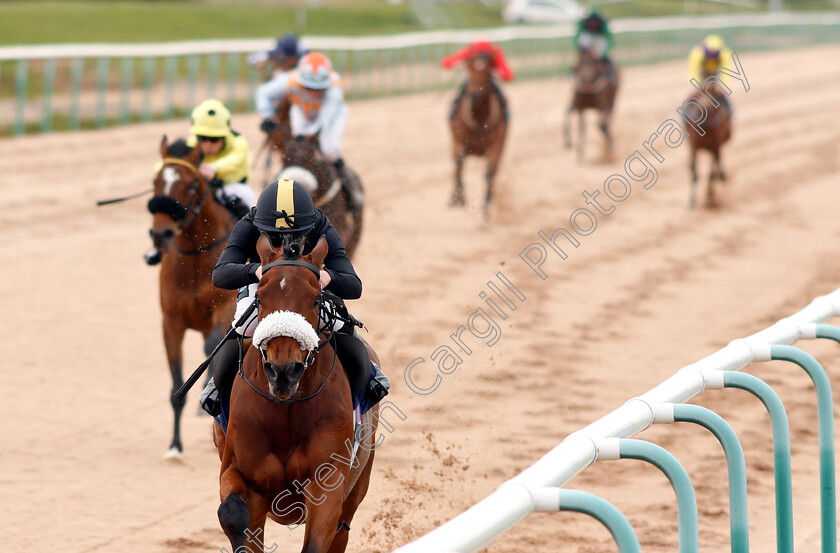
(216, 183)
(268, 125)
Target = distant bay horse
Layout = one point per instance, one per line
(593, 90)
(191, 228)
(717, 130)
(479, 126)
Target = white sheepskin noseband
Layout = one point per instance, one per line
(301, 175)
(286, 323)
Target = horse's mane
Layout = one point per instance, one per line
(178, 148)
(293, 247)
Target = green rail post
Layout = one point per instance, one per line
(49, 90)
(825, 422)
(212, 74)
(232, 76)
(781, 452)
(171, 72)
(101, 90)
(736, 468)
(686, 500)
(605, 512)
(21, 80)
(127, 79)
(148, 82)
(77, 70)
(253, 83)
(192, 80)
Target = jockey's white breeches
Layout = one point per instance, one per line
(238, 190)
(247, 328)
(331, 132)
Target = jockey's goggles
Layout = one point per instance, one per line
(212, 139)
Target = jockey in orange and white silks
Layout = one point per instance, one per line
(316, 97)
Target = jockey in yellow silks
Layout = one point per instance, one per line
(705, 59)
(225, 162)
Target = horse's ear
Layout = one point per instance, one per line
(164, 147)
(194, 156)
(319, 252)
(264, 249)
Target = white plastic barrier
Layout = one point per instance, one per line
(517, 498)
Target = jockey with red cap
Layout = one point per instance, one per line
(500, 67)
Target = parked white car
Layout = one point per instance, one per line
(542, 11)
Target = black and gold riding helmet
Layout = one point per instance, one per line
(285, 208)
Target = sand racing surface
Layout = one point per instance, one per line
(85, 414)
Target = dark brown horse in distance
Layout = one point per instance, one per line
(191, 228)
(289, 453)
(716, 128)
(594, 89)
(303, 162)
(479, 126)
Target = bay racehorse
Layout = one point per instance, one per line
(289, 453)
(191, 229)
(717, 129)
(593, 89)
(304, 163)
(479, 125)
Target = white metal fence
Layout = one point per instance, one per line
(48, 87)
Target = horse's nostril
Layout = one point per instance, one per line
(294, 371)
(270, 370)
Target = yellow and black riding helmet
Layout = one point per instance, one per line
(285, 209)
(712, 47)
(210, 118)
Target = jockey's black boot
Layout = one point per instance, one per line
(502, 100)
(609, 70)
(236, 206)
(152, 257)
(224, 366)
(354, 357)
(351, 187)
(453, 111)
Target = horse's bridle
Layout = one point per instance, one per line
(310, 354)
(184, 215)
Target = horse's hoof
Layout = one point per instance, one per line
(174, 454)
(457, 201)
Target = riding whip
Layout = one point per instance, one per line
(182, 391)
(116, 200)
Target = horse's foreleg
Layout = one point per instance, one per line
(604, 125)
(242, 521)
(567, 127)
(173, 336)
(458, 192)
(348, 510)
(581, 135)
(711, 201)
(692, 165)
(322, 523)
(493, 158)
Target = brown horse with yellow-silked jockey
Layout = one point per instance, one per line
(191, 228)
(709, 131)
